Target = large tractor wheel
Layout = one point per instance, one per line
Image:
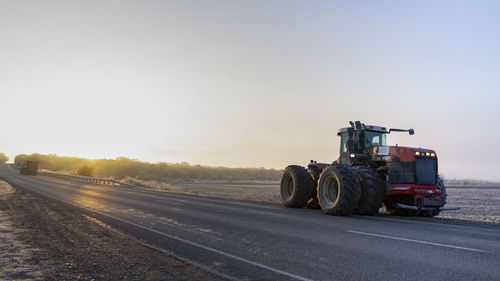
(372, 191)
(296, 187)
(339, 190)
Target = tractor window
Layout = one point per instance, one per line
(343, 148)
(375, 138)
(344, 143)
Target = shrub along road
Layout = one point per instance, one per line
(266, 242)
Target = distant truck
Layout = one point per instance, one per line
(29, 167)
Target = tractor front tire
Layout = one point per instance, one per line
(404, 212)
(443, 197)
(372, 191)
(339, 190)
(429, 213)
(440, 184)
(296, 187)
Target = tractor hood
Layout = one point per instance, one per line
(407, 165)
(403, 153)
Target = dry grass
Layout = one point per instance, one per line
(250, 191)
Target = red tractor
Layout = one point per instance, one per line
(367, 175)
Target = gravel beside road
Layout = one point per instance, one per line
(16, 257)
(51, 241)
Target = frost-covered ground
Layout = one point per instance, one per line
(476, 203)
(15, 256)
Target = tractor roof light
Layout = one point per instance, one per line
(428, 154)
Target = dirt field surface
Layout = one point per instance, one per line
(479, 205)
(44, 240)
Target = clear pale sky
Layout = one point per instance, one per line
(250, 83)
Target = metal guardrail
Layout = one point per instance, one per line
(83, 179)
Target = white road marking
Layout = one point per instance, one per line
(291, 275)
(452, 227)
(417, 241)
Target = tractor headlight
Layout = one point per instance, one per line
(427, 154)
(352, 156)
(433, 154)
(417, 153)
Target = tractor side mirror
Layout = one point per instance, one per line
(350, 145)
(411, 132)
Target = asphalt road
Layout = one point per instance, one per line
(252, 241)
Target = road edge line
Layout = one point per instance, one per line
(417, 241)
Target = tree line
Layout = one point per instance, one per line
(122, 167)
(3, 158)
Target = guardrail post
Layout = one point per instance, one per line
(84, 179)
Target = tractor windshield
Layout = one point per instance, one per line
(375, 138)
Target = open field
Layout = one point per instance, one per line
(477, 203)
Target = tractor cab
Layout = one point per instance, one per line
(356, 141)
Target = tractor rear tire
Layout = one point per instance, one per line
(339, 190)
(296, 187)
(372, 191)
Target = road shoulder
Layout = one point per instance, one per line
(70, 246)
